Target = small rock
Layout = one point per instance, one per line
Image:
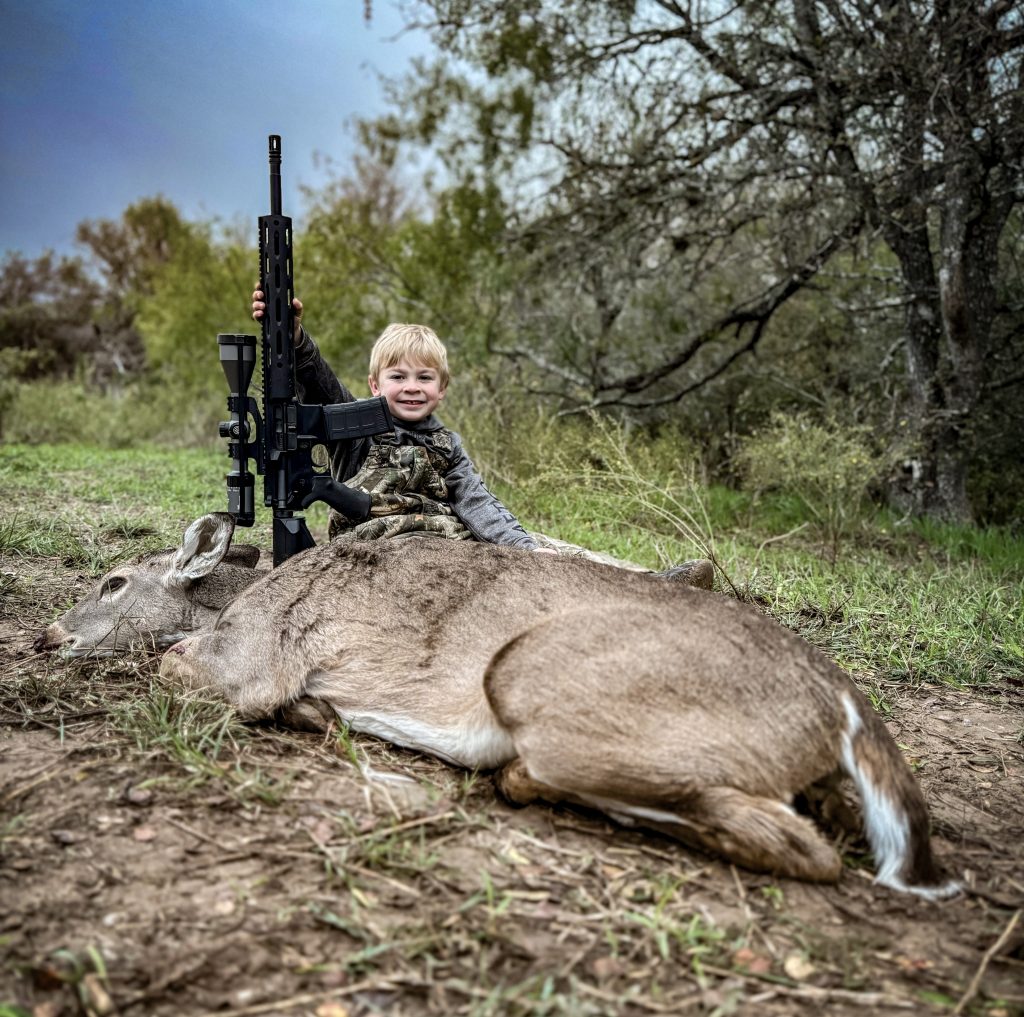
(138, 795)
(607, 967)
(798, 967)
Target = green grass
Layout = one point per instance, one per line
(99, 489)
(884, 616)
(93, 507)
(202, 737)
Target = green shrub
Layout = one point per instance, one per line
(828, 467)
(55, 412)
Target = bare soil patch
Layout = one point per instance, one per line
(305, 875)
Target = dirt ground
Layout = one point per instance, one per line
(303, 874)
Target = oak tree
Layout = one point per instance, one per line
(682, 168)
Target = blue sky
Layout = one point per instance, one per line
(107, 101)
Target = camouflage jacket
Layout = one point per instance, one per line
(419, 477)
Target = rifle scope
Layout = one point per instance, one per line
(238, 360)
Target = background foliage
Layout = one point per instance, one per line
(689, 219)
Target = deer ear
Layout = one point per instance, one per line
(205, 543)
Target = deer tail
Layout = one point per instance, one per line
(895, 814)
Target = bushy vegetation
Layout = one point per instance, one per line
(829, 468)
(141, 363)
(596, 241)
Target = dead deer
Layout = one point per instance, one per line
(656, 703)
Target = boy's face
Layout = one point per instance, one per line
(412, 390)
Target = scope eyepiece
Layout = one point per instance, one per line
(235, 429)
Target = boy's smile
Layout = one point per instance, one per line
(412, 390)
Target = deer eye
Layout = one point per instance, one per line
(112, 585)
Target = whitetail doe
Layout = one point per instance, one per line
(659, 704)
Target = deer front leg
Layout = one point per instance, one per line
(256, 689)
(307, 714)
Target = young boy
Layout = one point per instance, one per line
(419, 478)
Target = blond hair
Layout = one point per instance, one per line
(414, 343)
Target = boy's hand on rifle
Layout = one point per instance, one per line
(258, 307)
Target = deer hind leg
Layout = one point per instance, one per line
(758, 833)
(752, 831)
(755, 832)
(515, 785)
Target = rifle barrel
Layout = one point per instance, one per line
(275, 174)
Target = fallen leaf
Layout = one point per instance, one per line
(330, 1009)
(914, 963)
(65, 836)
(143, 834)
(47, 976)
(748, 960)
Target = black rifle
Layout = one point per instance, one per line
(285, 435)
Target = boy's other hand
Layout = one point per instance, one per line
(258, 307)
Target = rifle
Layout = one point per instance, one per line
(283, 438)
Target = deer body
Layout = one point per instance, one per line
(654, 702)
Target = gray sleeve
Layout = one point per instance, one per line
(484, 516)
(315, 382)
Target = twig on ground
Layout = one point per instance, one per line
(815, 992)
(280, 1005)
(972, 989)
(195, 833)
